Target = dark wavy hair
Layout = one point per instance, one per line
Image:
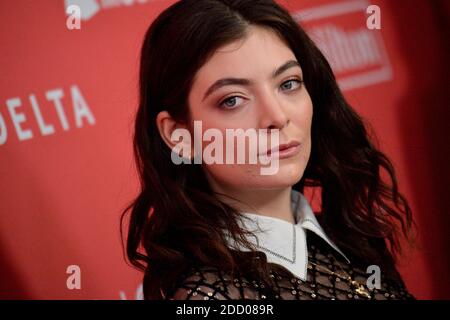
(177, 220)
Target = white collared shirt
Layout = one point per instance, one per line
(284, 243)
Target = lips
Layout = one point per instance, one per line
(282, 148)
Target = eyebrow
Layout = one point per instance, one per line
(245, 82)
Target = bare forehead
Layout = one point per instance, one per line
(261, 50)
(254, 35)
(258, 41)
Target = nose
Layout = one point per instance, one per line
(272, 113)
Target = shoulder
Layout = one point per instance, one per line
(210, 283)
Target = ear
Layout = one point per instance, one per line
(166, 127)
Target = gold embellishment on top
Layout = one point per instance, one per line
(358, 287)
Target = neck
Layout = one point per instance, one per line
(274, 203)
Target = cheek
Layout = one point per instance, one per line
(302, 115)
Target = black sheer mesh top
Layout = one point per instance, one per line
(329, 277)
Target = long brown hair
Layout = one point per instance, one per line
(176, 219)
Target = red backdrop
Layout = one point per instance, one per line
(67, 99)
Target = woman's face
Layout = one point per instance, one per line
(266, 102)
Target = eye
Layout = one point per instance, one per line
(289, 82)
(230, 103)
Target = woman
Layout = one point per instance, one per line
(207, 230)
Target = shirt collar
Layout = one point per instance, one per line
(285, 243)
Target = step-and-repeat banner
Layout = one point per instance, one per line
(68, 93)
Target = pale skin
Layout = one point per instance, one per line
(281, 102)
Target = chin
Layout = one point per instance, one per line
(287, 176)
